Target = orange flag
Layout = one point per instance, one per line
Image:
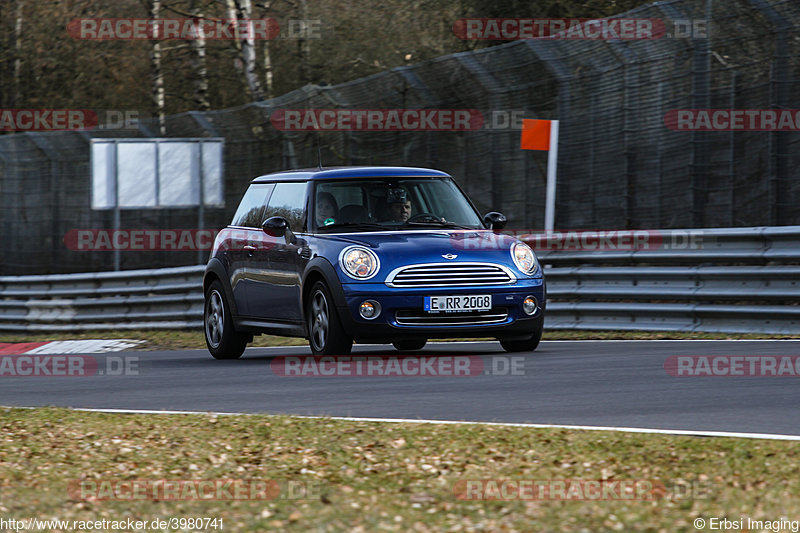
(535, 134)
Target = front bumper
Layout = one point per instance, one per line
(506, 299)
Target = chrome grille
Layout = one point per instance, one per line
(449, 275)
(416, 317)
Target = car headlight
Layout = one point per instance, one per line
(523, 257)
(359, 262)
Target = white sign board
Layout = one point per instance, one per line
(149, 173)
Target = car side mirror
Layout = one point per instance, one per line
(279, 227)
(495, 220)
(275, 226)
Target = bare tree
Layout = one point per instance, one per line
(198, 60)
(304, 47)
(237, 10)
(268, 70)
(18, 20)
(266, 57)
(156, 72)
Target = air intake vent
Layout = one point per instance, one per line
(415, 317)
(450, 275)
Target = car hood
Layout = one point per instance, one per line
(433, 246)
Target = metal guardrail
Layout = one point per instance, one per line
(740, 280)
(726, 246)
(165, 298)
(762, 299)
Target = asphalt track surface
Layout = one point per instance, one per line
(587, 383)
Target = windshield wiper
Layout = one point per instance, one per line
(353, 225)
(440, 224)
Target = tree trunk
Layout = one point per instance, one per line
(267, 62)
(18, 20)
(304, 47)
(157, 74)
(246, 47)
(198, 60)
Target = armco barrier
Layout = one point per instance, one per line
(739, 280)
(166, 298)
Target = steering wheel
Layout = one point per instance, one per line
(425, 217)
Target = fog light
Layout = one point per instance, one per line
(369, 309)
(529, 305)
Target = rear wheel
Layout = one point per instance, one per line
(410, 345)
(326, 336)
(223, 341)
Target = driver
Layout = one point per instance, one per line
(398, 205)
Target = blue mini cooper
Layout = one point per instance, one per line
(368, 254)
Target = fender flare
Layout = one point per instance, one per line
(323, 267)
(215, 268)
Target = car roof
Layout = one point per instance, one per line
(351, 172)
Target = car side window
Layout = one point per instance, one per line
(289, 201)
(251, 209)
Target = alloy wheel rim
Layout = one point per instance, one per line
(215, 319)
(319, 320)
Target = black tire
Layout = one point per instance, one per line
(525, 345)
(326, 336)
(410, 345)
(222, 339)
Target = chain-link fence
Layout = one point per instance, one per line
(619, 166)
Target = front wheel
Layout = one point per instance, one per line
(326, 336)
(410, 345)
(524, 345)
(223, 341)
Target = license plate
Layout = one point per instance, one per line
(435, 304)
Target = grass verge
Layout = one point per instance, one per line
(369, 476)
(193, 339)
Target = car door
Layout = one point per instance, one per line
(245, 227)
(275, 269)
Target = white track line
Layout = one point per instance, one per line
(686, 432)
(446, 343)
(84, 346)
(674, 340)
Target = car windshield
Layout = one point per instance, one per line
(391, 204)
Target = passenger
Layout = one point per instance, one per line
(327, 209)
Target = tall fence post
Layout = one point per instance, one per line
(630, 86)
(701, 96)
(779, 99)
(732, 157)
